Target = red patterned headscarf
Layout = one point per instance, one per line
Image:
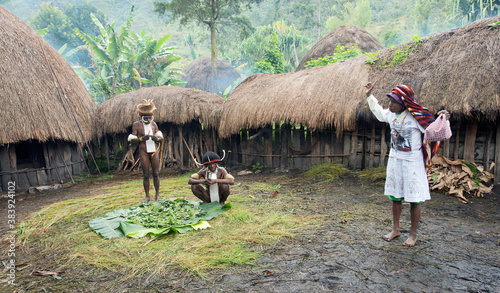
(421, 114)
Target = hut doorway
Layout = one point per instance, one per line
(29, 155)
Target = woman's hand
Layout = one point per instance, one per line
(369, 87)
(446, 114)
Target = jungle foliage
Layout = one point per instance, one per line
(242, 32)
(124, 61)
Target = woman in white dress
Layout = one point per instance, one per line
(406, 177)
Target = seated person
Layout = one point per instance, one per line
(215, 178)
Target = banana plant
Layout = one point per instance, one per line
(110, 53)
(126, 61)
(154, 63)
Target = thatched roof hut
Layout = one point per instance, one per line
(457, 70)
(199, 72)
(46, 110)
(316, 97)
(345, 36)
(31, 106)
(174, 104)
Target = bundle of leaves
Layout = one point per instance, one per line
(157, 218)
(163, 214)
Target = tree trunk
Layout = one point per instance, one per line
(319, 20)
(213, 58)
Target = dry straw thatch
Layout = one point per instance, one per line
(199, 72)
(457, 70)
(315, 97)
(173, 104)
(344, 36)
(31, 107)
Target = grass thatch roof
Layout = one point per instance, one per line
(199, 72)
(173, 104)
(458, 70)
(315, 97)
(31, 107)
(344, 36)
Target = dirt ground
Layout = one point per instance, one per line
(458, 248)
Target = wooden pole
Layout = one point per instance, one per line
(181, 149)
(106, 149)
(470, 142)
(383, 148)
(497, 156)
(372, 148)
(457, 143)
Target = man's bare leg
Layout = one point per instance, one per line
(397, 207)
(415, 212)
(200, 192)
(223, 193)
(155, 164)
(144, 157)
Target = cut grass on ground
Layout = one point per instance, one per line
(236, 237)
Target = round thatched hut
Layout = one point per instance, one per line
(45, 112)
(185, 116)
(457, 70)
(345, 36)
(199, 75)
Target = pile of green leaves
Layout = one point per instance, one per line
(163, 214)
(157, 219)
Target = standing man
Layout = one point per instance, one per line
(215, 178)
(146, 133)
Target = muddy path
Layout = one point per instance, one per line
(458, 248)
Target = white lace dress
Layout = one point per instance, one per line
(406, 177)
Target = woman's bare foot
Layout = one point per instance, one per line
(157, 197)
(390, 236)
(410, 242)
(146, 200)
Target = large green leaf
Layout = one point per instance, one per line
(107, 227)
(160, 42)
(139, 231)
(115, 224)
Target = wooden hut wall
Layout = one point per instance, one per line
(36, 164)
(365, 147)
(173, 150)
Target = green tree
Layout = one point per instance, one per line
(356, 13)
(79, 15)
(273, 60)
(60, 28)
(289, 41)
(211, 13)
